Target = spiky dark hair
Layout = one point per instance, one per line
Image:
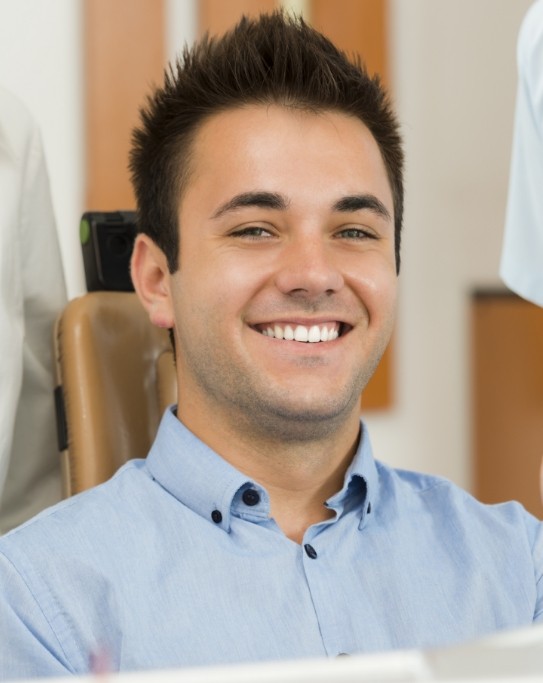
(273, 59)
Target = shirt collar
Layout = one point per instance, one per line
(361, 482)
(199, 478)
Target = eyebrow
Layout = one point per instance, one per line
(359, 202)
(276, 201)
(262, 200)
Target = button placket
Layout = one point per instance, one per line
(310, 551)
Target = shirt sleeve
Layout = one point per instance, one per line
(522, 256)
(28, 645)
(538, 572)
(11, 294)
(32, 293)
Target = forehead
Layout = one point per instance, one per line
(279, 148)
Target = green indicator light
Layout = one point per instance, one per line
(84, 231)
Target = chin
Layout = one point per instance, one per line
(304, 419)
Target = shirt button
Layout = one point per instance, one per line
(216, 516)
(310, 551)
(251, 497)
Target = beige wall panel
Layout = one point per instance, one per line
(124, 55)
(507, 378)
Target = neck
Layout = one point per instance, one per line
(300, 474)
(298, 494)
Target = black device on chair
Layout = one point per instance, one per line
(107, 239)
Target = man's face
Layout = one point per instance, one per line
(284, 299)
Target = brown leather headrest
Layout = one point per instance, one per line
(117, 376)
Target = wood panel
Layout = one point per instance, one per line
(357, 27)
(217, 16)
(124, 55)
(507, 375)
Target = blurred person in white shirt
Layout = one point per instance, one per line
(32, 293)
(522, 257)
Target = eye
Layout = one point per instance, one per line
(356, 234)
(252, 232)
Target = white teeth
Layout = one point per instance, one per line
(314, 334)
(278, 332)
(301, 333)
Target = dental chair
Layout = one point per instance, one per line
(115, 376)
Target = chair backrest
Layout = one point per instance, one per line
(115, 375)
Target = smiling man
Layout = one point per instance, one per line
(268, 174)
(283, 300)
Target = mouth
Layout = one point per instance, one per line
(308, 334)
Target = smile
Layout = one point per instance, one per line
(310, 334)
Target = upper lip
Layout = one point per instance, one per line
(306, 322)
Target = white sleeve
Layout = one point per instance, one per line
(11, 294)
(522, 257)
(32, 292)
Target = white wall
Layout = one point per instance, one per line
(181, 25)
(454, 75)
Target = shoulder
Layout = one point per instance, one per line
(415, 481)
(452, 507)
(61, 577)
(532, 28)
(415, 485)
(530, 42)
(101, 514)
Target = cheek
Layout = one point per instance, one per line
(228, 282)
(377, 287)
(210, 297)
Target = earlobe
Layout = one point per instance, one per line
(150, 275)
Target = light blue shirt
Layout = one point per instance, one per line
(176, 561)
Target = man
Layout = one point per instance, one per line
(268, 174)
(32, 293)
(521, 265)
(522, 257)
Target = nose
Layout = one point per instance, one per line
(308, 267)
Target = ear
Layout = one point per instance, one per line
(151, 278)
